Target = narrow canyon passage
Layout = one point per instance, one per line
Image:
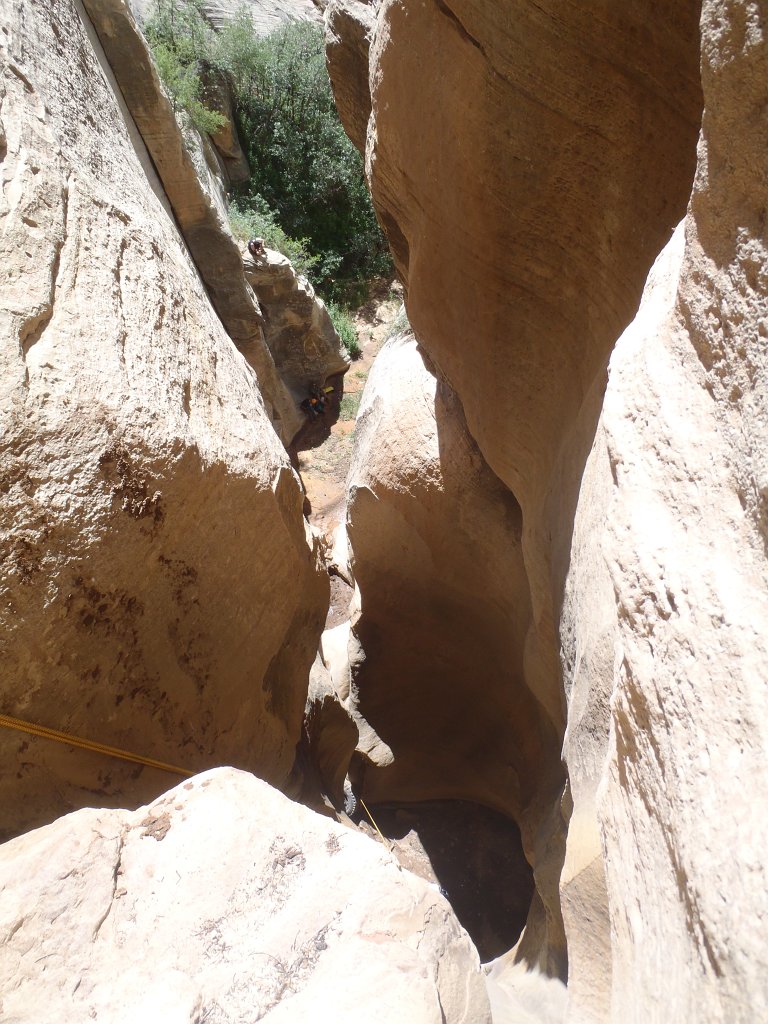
(471, 850)
(465, 679)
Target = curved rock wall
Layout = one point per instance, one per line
(581, 130)
(529, 162)
(149, 512)
(436, 541)
(666, 672)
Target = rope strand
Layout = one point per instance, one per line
(98, 748)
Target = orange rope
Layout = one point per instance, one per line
(98, 748)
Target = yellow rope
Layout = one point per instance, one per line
(98, 748)
(373, 822)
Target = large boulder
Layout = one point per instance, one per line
(298, 330)
(223, 901)
(160, 592)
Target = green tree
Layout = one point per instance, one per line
(304, 166)
(307, 194)
(182, 44)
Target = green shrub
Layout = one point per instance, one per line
(349, 405)
(258, 221)
(400, 324)
(182, 43)
(345, 328)
(303, 164)
(307, 195)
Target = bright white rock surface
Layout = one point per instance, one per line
(223, 901)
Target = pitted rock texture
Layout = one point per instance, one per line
(299, 332)
(663, 767)
(666, 669)
(224, 901)
(159, 592)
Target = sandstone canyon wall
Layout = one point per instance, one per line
(267, 15)
(529, 163)
(160, 590)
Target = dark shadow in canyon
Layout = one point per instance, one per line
(476, 857)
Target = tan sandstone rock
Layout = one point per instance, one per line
(185, 169)
(666, 662)
(349, 26)
(438, 680)
(528, 162)
(672, 779)
(299, 332)
(267, 15)
(223, 901)
(159, 590)
(331, 737)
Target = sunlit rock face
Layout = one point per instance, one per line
(191, 176)
(225, 901)
(159, 593)
(297, 327)
(666, 612)
(527, 166)
(267, 15)
(530, 164)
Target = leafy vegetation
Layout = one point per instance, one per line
(182, 41)
(345, 328)
(258, 221)
(307, 194)
(349, 405)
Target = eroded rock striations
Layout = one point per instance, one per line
(228, 903)
(267, 15)
(666, 671)
(436, 541)
(187, 170)
(160, 592)
(529, 163)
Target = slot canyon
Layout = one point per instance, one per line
(447, 707)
